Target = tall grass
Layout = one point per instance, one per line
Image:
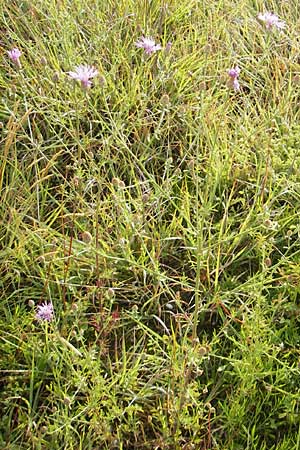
(159, 212)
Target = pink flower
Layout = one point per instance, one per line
(83, 74)
(168, 47)
(148, 44)
(233, 81)
(234, 72)
(45, 312)
(14, 55)
(271, 21)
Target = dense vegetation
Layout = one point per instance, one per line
(155, 207)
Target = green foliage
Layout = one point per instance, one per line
(158, 212)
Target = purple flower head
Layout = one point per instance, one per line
(83, 74)
(168, 47)
(45, 312)
(14, 55)
(271, 21)
(236, 84)
(234, 72)
(148, 44)
(233, 81)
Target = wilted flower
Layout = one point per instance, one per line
(115, 315)
(148, 44)
(233, 78)
(83, 74)
(271, 21)
(55, 77)
(110, 292)
(296, 79)
(74, 307)
(43, 61)
(67, 401)
(268, 262)
(86, 237)
(165, 100)
(14, 55)
(45, 312)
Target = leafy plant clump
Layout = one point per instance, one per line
(149, 233)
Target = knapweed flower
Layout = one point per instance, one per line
(271, 21)
(233, 81)
(14, 55)
(168, 47)
(83, 74)
(148, 44)
(45, 312)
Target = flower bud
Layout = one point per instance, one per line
(86, 237)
